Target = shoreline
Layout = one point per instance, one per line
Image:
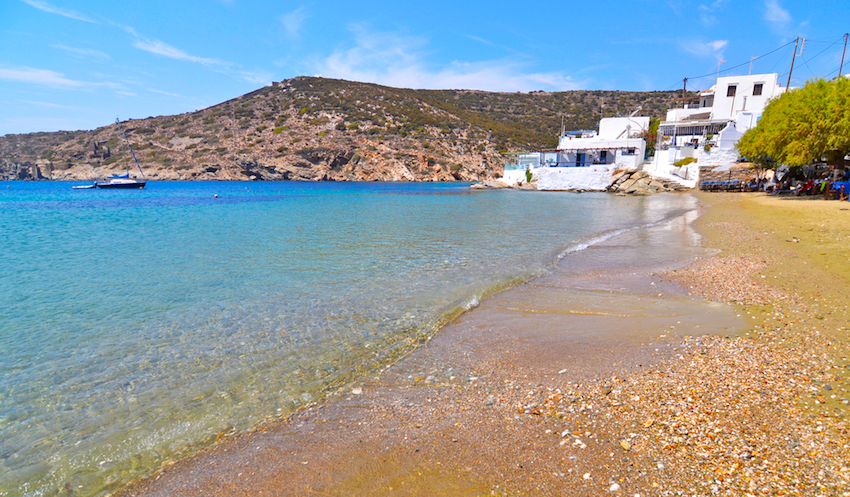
(442, 422)
(479, 351)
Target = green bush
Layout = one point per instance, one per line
(685, 161)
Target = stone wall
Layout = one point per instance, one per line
(740, 172)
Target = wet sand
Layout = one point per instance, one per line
(603, 376)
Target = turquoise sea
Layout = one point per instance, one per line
(137, 326)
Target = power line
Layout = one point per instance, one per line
(806, 61)
(674, 85)
(745, 63)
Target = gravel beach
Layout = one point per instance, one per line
(684, 406)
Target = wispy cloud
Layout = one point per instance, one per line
(397, 59)
(479, 40)
(706, 16)
(53, 79)
(164, 49)
(51, 9)
(294, 21)
(40, 77)
(778, 18)
(256, 77)
(48, 105)
(83, 53)
(705, 49)
(165, 93)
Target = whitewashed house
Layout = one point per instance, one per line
(709, 130)
(584, 160)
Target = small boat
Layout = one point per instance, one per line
(124, 181)
(85, 187)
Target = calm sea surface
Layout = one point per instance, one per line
(138, 325)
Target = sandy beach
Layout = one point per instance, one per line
(717, 372)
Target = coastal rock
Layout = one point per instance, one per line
(640, 183)
(489, 184)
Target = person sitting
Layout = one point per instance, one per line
(808, 188)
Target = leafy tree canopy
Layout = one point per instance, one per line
(807, 125)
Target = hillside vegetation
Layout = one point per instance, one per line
(309, 128)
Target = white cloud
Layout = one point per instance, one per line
(479, 40)
(39, 76)
(83, 53)
(708, 13)
(161, 48)
(705, 49)
(718, 45)
(49, 105)
(399, 60)
(706, 16)
(52, 79)
(165, 93)
(778, 18)
(46, 7)
(293, 21)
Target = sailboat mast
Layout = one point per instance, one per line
(131, 148)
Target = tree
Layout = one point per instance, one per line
(650, 136)
(803, 126)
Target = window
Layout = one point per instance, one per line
(757, 89)
(730, 91)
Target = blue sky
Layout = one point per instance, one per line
(77, 64)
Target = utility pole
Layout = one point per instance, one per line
(788, 85)
(684, 90)
(751, 63)
(842, 55)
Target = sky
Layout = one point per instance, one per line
(80, 64)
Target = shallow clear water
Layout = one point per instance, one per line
(137, 325)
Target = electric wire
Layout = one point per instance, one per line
(745, 63)
(735, 67)
(806, 61)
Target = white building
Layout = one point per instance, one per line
(709, 130)
(585, 160)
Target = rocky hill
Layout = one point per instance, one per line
(322, 129)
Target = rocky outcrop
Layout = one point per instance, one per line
(490, 185)
(640, 183)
